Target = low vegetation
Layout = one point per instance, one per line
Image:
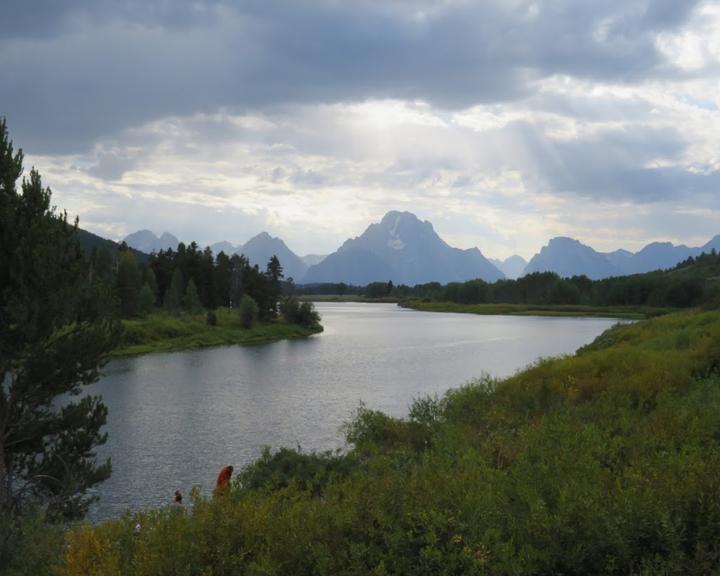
(162, 332)
(605, 462)
(561, 310)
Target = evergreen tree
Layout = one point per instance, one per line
(238, 267)
(128, 284)
(207, 278)
(151, 283)
(102, 266)
(175, 292)
(163, 266)
(146, 300)
(52, 343)
(191, 299)
(274, 275)
(222, 279)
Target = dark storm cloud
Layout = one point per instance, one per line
(75, 71)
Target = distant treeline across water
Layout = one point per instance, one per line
(690, 283)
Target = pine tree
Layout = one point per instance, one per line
(191, 300)
(151, 282)
(146, 300)
(128, 284)
(274, 275)
(52, 343)
(175, 292)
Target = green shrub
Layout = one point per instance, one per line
(29, 545)
(248, 310)
(302, 313)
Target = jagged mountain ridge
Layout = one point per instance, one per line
(146, 241)
(403, 249)
(258, 250)
(381, 253)
(569, 257)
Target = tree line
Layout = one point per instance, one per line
(192, 280)
(688, 284)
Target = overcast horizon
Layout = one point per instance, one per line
(504, 122)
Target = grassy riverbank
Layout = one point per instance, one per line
(168, 333)
(629, 312)
(347, 298)
(605, 462)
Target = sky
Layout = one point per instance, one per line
(503, 122)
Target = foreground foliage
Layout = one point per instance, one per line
(606, 462)
(53, 340)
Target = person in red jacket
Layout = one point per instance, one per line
(223, 481)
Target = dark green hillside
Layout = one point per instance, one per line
(89, 242)
(605, 462)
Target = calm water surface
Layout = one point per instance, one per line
(175, 419)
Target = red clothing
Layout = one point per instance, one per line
(223, 480)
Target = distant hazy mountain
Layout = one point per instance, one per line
(405, 250)
(147, 242)
(312, 259)
(714, 244)
(656, 256)
(568, 257)
(259, 249)
(225, 247)
(620, 258)
(512, 267)
(352, 266)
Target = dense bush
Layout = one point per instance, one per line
(211, 318)
(606, 462)
(302, 313)
(29, 545)
(248, 310)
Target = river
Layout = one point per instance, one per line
(175, 419)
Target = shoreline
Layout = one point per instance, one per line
(169, 333)
(550, 310)
(348, 298)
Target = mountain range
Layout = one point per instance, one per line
(569, 257)
(406, 250)
(145, 241)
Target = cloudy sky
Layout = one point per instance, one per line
(503, 122)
